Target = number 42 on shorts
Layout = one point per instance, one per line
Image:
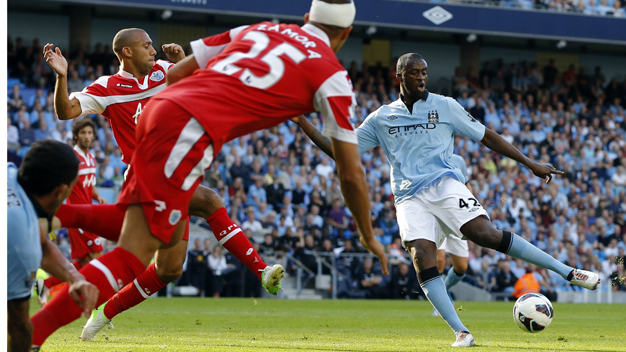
(464, 204)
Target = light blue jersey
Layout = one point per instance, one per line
(458, 162)
(418, 145)
(23, 239)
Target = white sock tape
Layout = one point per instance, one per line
(340, 15)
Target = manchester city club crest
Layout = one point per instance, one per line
(157, 76)
(433, 116)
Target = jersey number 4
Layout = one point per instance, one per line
(272, 59)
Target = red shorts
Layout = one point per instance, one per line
(173, 151)
(82, 243)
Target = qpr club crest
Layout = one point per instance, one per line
(175, 216)
(157, 76)
(433, 116)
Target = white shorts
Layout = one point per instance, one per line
(456, 246)
(437, 211)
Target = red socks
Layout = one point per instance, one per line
(135, 292)
(53, 281)
(235, 241)
(105, 220)
(108, 273)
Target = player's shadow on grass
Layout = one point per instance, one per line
(282, 348)
(538, 349)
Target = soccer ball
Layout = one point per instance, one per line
(533, 312)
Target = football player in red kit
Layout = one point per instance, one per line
(85, 245)
(121, 98)
(244, 80)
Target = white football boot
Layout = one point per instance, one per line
(586, 279)
(463, 339)
(97, 321)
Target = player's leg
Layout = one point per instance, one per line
(207, 204)
(421, 232)
(167, 267)
(120, 266)
(105, 220)
(482, 232)
(441, 260)
(459, 255)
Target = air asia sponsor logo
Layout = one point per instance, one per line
(124, 85)
(392, 117)
(419, 128)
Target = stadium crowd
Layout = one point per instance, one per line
(284, 192)
(611, 8)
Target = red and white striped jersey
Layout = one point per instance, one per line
(82, 193)
(254, 77)
(120, 98)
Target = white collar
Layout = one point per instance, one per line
(81, 153)
(129, 75)
(316, 32)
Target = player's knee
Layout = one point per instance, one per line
(441, 262)
(482, 232)
(205, 202)
(460, 268)
(169, 273)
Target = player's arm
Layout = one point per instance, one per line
(315, 135)
(95, 195)
(495, 142)
(64, 107)
(54, 262)
(174, 52)
(183, 69)
(19, 327)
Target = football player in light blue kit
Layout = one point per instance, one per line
(34, 192)
(416, 133)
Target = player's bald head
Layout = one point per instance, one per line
(405, 60)
(126, 37)
(331, 30)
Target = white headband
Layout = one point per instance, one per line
(340, 15)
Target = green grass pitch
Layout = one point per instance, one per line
(197, 324)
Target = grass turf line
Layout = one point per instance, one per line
(245, 324)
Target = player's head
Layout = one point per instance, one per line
(334, 17)
(412, 73)
(49, 170)
(83, 133)
(133, 46)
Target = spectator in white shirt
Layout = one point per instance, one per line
(323, 169)
(13, 136)
(252, 223)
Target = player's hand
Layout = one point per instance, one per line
(101, 200)
(544, 171)
(297, 119)
(174, 52)
(374, 246)
(55, 60)
(85, 295)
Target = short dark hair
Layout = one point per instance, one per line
(405, 59)
(47, 165)
(80, 124)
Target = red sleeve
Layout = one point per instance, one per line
(94, 98)
(335, 100)
(206, 49)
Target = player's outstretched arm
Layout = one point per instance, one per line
(182, 69)
(54, 262)
(356, 196)
(20, 328)
(495, 142)
(316, 136)
(64, 107)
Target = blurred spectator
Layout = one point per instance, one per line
(505, 279)
(403, 283)
(217, 263)
(370, 280)
(197, 266)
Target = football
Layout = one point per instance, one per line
(533, 312)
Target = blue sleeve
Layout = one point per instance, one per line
(366, 134)
(463, 123)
